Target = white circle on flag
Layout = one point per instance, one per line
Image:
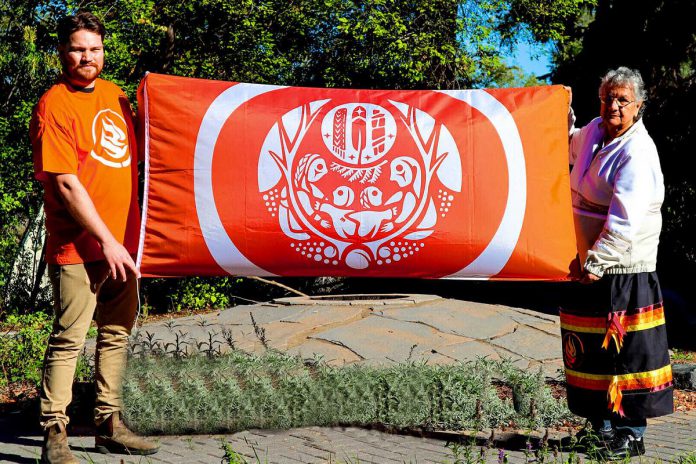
(225, 253)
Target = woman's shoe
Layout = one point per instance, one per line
(623, 445)
(588, 440)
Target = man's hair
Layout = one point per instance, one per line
(82, 20)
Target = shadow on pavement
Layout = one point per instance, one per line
(6, 457)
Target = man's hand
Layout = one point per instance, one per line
(119, 260)
(81, 207)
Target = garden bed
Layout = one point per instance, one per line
(239, 391)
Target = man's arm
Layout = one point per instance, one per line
(82, 209)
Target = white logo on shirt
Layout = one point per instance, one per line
(110, 136)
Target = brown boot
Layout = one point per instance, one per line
(55, 448)
(114, 437)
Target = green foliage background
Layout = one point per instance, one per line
(333, 43)
(22, 346)
(400, 44)
(659, 39)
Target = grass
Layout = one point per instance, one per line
(169, 391)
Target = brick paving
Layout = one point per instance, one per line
(667, 440)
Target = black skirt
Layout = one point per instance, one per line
(615, 349)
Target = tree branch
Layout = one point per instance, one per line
(277, 284)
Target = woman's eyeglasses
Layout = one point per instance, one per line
(621, 102)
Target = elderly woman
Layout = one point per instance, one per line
(614, 343)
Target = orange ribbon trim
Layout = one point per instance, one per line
(636, 381)
(615, 396)
(615, 331)
(647, 318)
(615, 385)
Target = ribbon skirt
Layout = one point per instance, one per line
(615, 350)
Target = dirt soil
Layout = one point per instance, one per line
(684, 400)
(17, 396)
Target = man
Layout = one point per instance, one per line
(84, 146)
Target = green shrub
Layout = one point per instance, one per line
(84, 369)
(191, 293)
(22, 347)
(23, 344)
(201, 293)
(531, 397)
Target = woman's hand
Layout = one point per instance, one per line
(571, 113)
(588, 278)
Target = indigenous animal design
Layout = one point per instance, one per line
(370, 205)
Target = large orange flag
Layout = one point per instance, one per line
(266, 180)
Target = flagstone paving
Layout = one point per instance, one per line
(473, 320)
(419, 327)
(416, 327)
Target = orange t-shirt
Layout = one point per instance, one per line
(92, 136)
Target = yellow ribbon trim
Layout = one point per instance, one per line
(615, 331)
(663, 371)
(645, 325)
(582, 329)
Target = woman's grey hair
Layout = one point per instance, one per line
(625, 77)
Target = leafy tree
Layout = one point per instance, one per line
(27, 67)
(404, 44)
(659, 39)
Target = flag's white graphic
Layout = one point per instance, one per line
(380, 204)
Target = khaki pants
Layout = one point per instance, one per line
(82, 292)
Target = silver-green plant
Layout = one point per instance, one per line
(213, 393)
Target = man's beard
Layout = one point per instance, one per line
(84, 74)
